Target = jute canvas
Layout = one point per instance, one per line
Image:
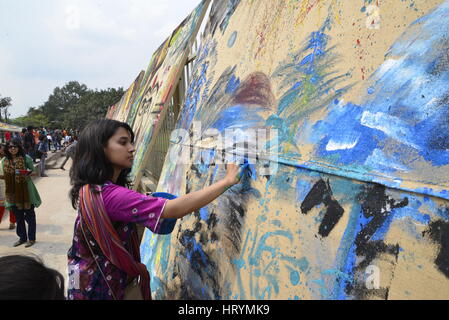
(357, 206)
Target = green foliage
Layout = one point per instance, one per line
(36, 120)
(62, 100)
(72, 106)
(92, 106)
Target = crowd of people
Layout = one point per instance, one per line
(38, 142)
(18, 154)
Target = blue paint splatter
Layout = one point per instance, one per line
(294, 278)
(232, 39)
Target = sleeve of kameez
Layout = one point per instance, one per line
(126, 205)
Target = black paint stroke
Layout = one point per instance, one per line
(438, 231)
(321, 193)
(377, 205)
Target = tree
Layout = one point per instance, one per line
(36, 119)
(62, 100)
(5, 103)
(92, 106)
(72, 106)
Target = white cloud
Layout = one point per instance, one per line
(102, 43)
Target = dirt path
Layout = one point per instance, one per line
(55, 219)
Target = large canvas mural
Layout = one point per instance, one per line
(357, 203)
(159, 83)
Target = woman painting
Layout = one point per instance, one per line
(20, 193)
(104, 260)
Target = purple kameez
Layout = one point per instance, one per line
(125, 208)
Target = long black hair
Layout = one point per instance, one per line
(90, 164)
(27, 278)
(16, 143)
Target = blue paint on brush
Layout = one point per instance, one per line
(245, 170)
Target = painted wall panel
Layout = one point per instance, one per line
(358, 206)
(159, 83)
(121, 109)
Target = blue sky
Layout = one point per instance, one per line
(101, 43)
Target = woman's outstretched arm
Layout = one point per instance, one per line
(182, 206)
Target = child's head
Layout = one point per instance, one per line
(27, 278)
(103, 147)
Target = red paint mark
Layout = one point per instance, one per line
(256, 90)
(154, 82)
(358, 42)
(261, 37)
(164, 99)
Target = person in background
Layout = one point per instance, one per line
(20, 193)
(70, 151)
(16, 135)
(36, 135)
(67, 139)
(42, 151)
(27, 278)
(12, 218)
(22, 135)
(49, 141)
(29, 143)
(56, 143)
(7, 136)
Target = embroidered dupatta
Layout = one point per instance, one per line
(94, 216)
(16, 190)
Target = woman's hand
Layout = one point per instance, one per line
(179, 207)
(232, 174)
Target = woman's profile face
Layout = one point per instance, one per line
(120, 150)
